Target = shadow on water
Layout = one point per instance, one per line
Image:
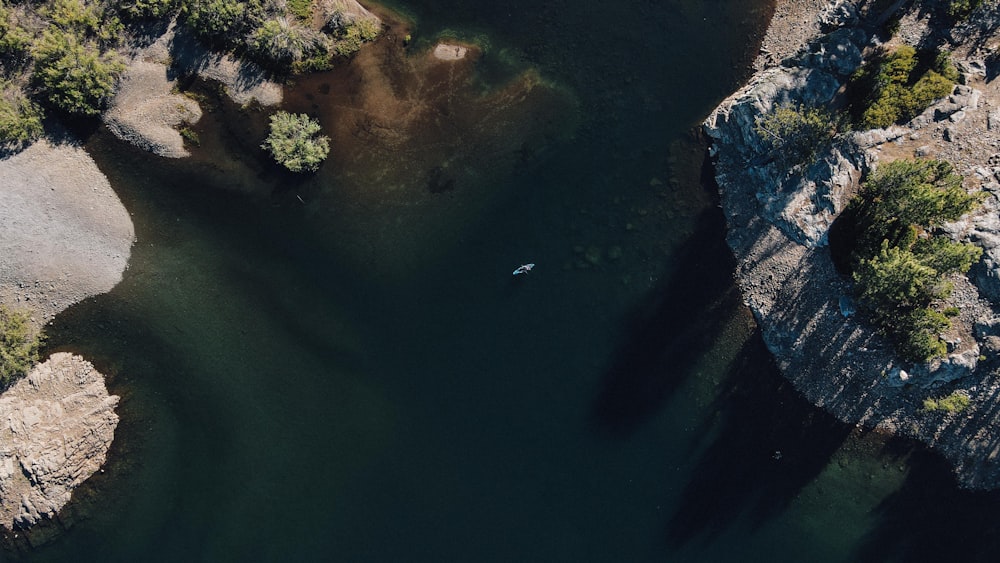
(741, 473)
(670, 331)
(930, 519)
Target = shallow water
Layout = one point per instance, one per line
(342, 367)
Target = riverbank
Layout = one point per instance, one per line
(779, 224)
(64, 237)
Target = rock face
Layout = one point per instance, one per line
(145, 113)
(57, 425)
(779, 220)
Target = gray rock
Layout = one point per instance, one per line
(993, 120)
(59, 422)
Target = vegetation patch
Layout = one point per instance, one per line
(959, 10)
(956, 402)
(295, 142)
(900, 265)
(795, 134)
(897, 87)
(18, 346)
(20, 118)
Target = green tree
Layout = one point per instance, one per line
(18, 346)
(899, 265)
(76, 78)
(794, 134)
(295, 143)
(907, 194)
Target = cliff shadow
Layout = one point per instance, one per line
(770, 444)
(931, 519)
(670, 330)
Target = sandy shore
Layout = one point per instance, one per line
(64, 234)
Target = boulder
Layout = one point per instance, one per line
(58, 423)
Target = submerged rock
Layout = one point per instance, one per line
(58, 423)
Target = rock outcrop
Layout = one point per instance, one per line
(57, 425)
(779, 220)
(64, 234)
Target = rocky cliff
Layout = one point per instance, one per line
(779, 220)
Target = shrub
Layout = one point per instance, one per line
(18, 346)
(294, 142)
(147, 9)
(795, 134)
(20, 118)
(898, 87)
(15, 41)
(956, 402)
(222, 21)
(958, 10)
(350, 35)
(278, 43)
(302, 9)
(77, 78)
(85, 21)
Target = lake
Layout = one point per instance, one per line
(341, 367)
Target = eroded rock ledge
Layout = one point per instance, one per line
(57, 425)
(779, 221)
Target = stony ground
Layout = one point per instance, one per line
(64, 234)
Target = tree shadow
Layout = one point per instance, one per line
(770, 444)
(670, 330)
(931, 519)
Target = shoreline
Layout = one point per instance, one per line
(777, 225)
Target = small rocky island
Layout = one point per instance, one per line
(59, 422)
(781, 219)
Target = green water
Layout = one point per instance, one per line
(342, 368)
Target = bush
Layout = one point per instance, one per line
(77, 78)
(898, 87)
(795, 134)
(222, 21)
(20, 118)
(958, 10)
(15, 41)
(956, 402)
(350, 35)
(294, 142)
(18, 346)
(147, 9)
(73, 17)
(278, 43)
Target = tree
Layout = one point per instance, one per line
(899, 264)
(18, 346)
(295, 143)
(907, 194)
(795, 134)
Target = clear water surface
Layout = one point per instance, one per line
(342, 368)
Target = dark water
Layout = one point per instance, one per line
(342, 368)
